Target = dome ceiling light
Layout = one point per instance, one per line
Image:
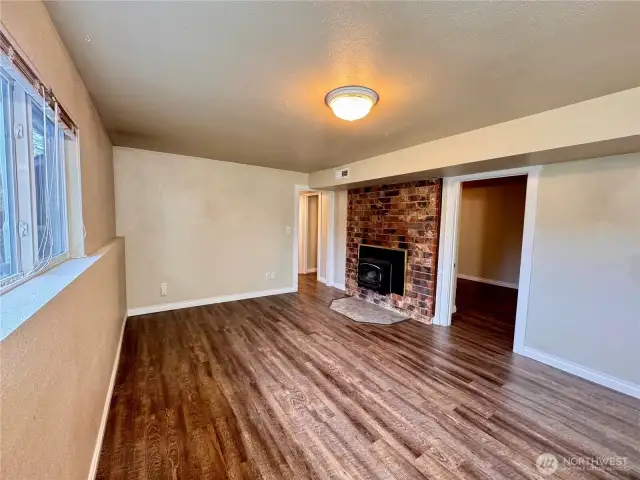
(352, 102)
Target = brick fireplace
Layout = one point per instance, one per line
(402, 215)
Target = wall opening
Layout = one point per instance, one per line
(491, 221)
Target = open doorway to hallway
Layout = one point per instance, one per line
(491, 220)
(327, 233)
(310, 238)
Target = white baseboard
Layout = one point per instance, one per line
(163, 307)
(105, 411)
(312, 270)
(323, 280)
(339, 286)
(489, 281)
(583, 372)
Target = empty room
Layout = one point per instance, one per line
(309, 240)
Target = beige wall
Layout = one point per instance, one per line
(585, 278)
(490, 232)
(601, 126)
(206, 228)
(56, 366)
(312, 232)
(56, 369)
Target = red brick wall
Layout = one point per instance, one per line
(403, 215)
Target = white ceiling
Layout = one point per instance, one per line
(245, 81)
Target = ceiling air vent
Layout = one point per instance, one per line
(342, 174)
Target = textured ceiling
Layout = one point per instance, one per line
(245, 81)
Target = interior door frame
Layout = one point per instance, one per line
(303, 237)
(448, 246)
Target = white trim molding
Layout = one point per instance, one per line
(329, 261)
(339, 286)
(319, 244)
(297, 189)
(600, 378)
(93, 469)
(445, 274)
(164, 307)
(498, 283)
(526, 257)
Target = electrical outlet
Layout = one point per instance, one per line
(163, 289)
(267, 276)
(273, 274)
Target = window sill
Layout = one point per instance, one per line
(19, 304)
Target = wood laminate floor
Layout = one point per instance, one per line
(488, 308)
(282, 387)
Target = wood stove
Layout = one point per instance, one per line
(382, 269)
(374, 274)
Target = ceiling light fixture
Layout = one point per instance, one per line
(351, 103)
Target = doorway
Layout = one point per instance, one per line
(483, 269)
(309, 232)
(488, 259)
(309, 240)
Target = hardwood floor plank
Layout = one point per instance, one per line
(284, 388)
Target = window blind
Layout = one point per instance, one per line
(11, 56)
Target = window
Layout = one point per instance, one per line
(8, 254)
(33, 206)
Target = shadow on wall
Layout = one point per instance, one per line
(491, 224)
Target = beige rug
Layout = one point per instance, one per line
(364, 312)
